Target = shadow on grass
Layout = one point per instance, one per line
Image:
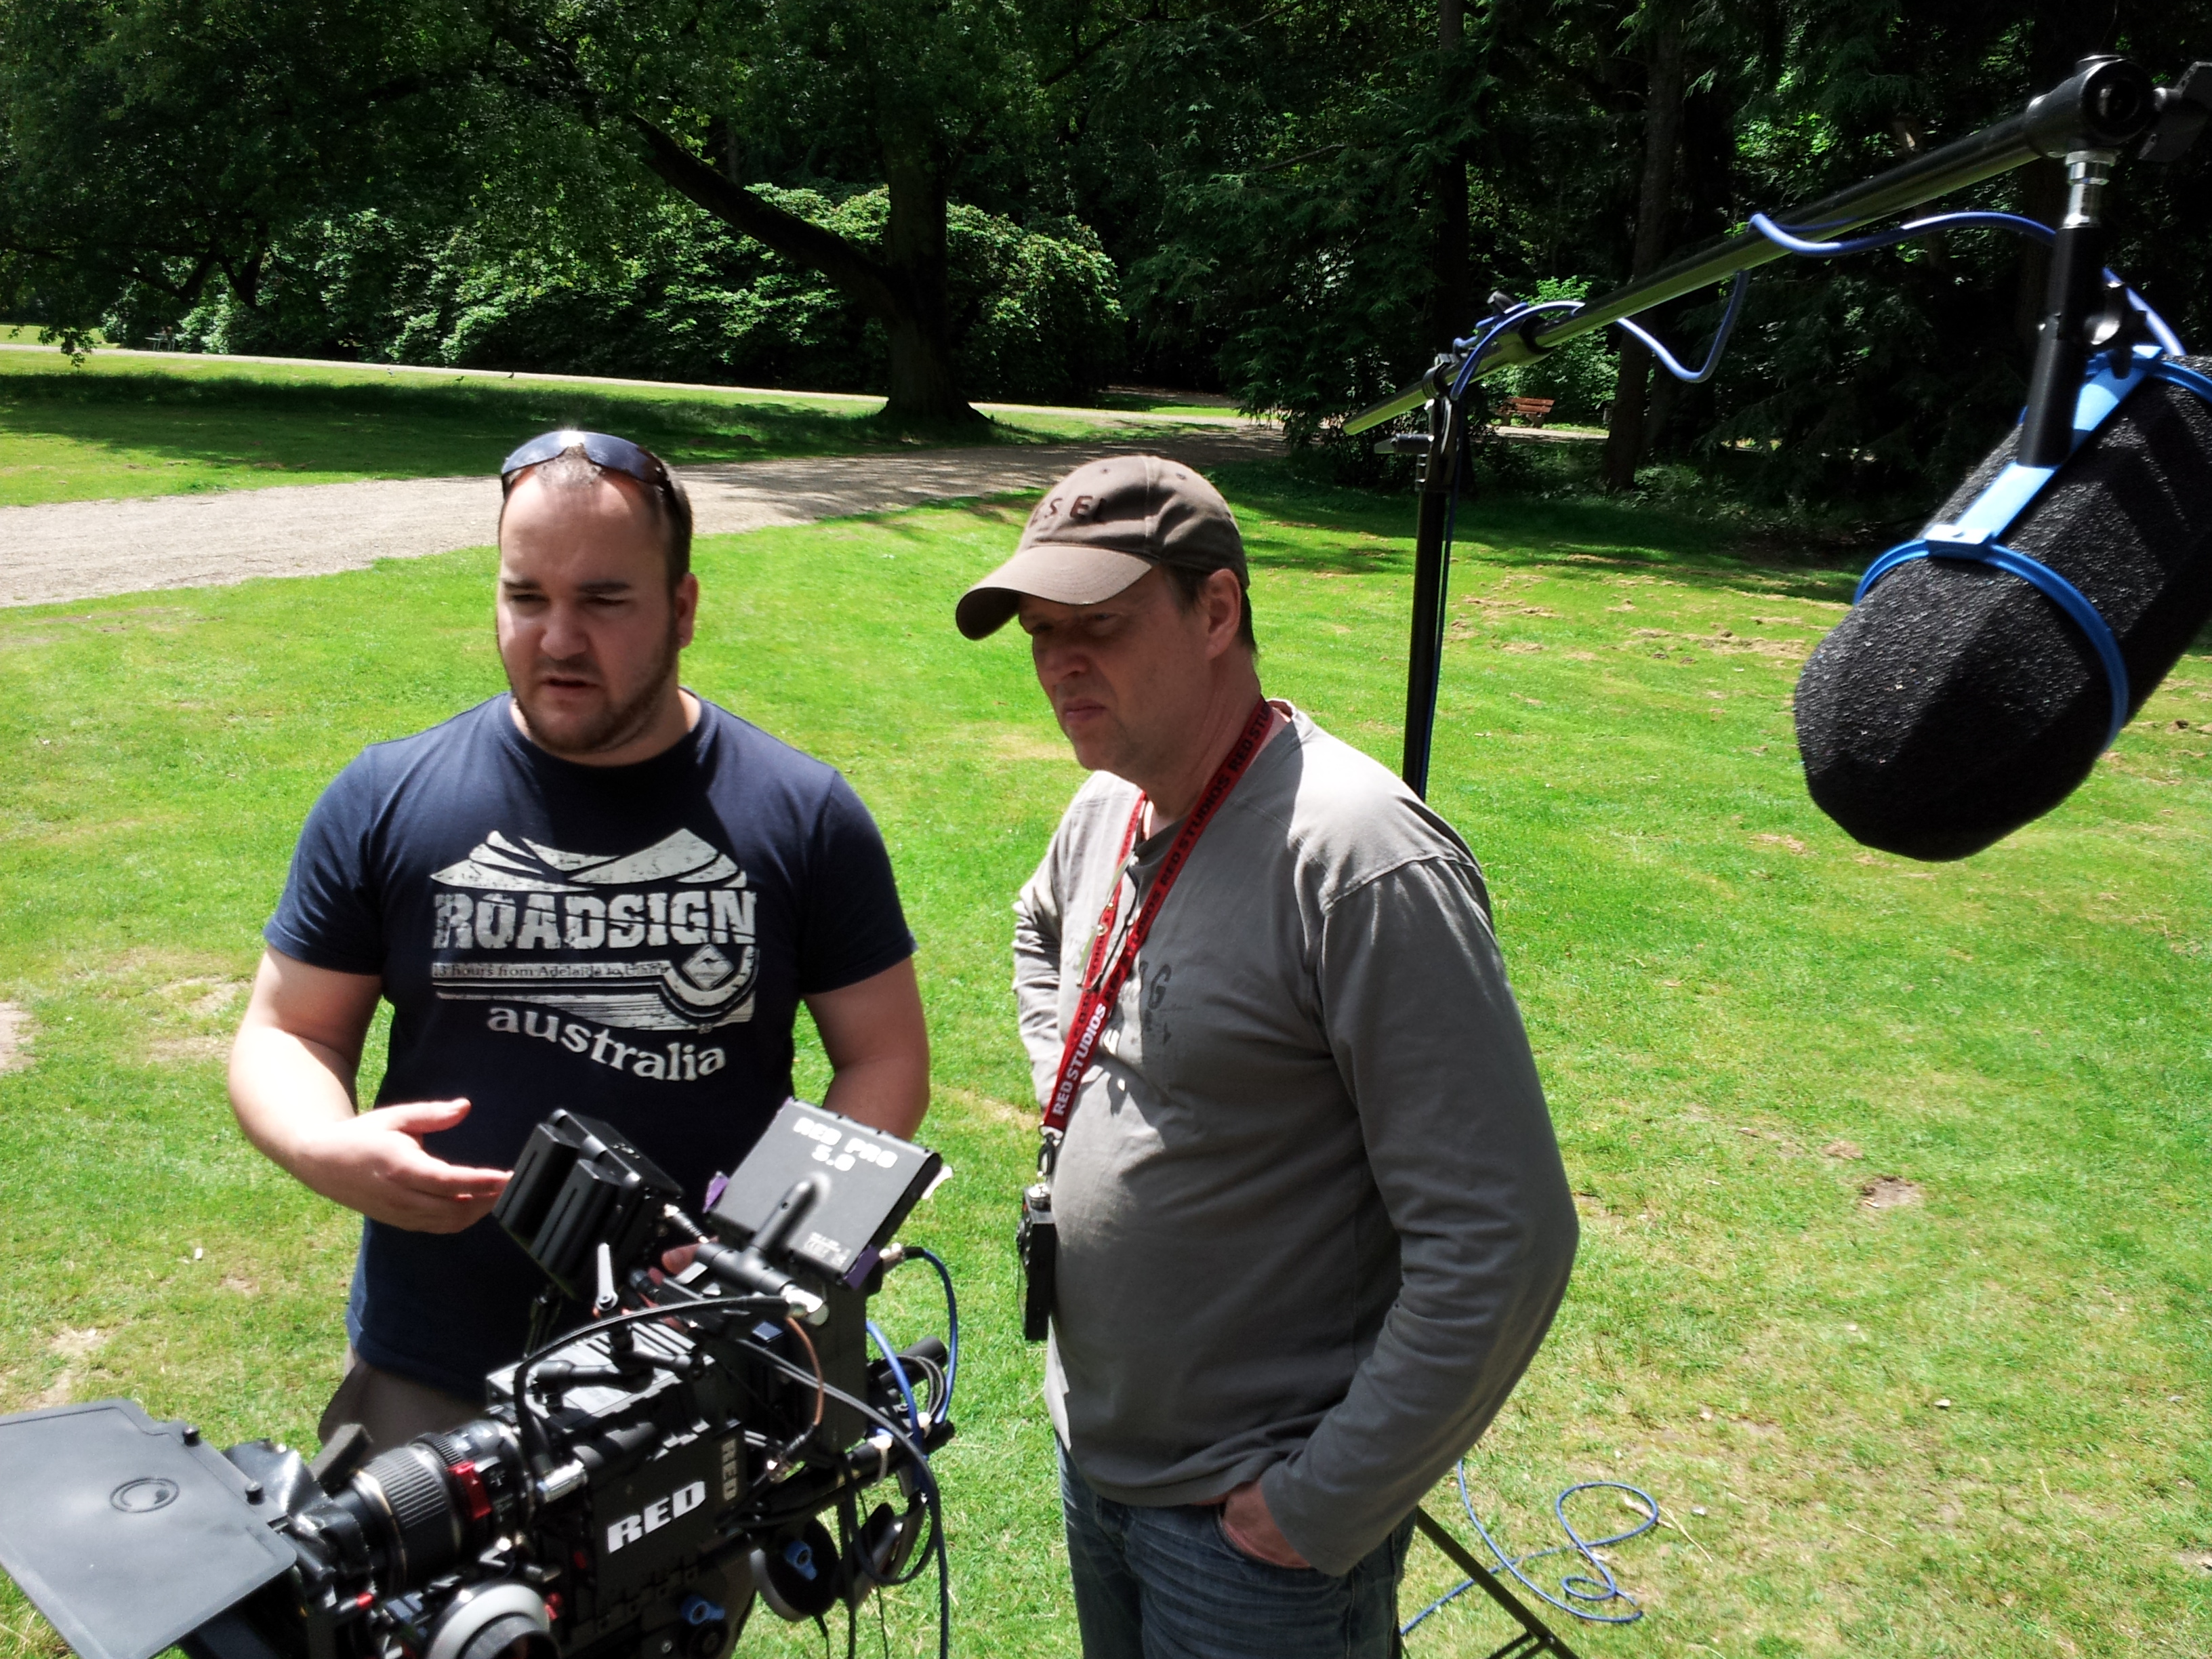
(1519, 530)
(419, 429)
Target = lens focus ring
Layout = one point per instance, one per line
(426, 1532)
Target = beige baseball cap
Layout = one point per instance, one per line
(1102, 527)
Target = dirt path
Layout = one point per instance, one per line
(81, 549)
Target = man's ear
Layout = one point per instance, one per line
(1223, 598)
(685, 598)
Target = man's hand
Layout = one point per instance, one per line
(375, 1162)
(291, 1082)
(674, 1262)
(1252, 1529)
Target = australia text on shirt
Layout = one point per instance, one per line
(660, 940)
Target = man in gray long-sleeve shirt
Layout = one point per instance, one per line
(1312, 1221)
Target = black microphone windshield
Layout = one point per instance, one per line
(1955, 703)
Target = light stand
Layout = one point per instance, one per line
(1436, 467)
(1536, 1636)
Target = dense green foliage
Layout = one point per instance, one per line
(1294, 235)
(1037, 310)
(1294, 202)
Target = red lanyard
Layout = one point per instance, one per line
(1099, 996)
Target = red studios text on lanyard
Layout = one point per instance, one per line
(1100, 995)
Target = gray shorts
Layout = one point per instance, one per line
(392, 1409)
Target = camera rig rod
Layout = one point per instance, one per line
(2106, 103)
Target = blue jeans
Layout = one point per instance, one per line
(1167, 1583)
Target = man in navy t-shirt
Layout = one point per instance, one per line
(599, 892)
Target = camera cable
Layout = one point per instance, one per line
(952, 1323)
(1581, 1593)
(898, 1374)
(925, 1480)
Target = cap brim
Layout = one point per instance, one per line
(1064, 574)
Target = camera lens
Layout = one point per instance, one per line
(404, 1503)
(512, 1636)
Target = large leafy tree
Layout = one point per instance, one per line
(158, 146)
(1281, 190)
(158, 142)
(715, 98)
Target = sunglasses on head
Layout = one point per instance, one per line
(600, 448)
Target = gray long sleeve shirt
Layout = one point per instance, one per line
(1313, 1223)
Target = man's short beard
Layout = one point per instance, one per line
(621, 723)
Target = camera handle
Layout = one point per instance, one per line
(750, 1266)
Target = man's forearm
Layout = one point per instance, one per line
(1428, 1388)
(285, 1088)
(1037, 993)
(292, 1072)
(1460, 1149)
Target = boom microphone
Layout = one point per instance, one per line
(1959, 699)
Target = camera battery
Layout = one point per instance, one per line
(580, 1184)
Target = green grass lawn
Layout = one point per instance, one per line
(27, 334)
(1742, 1019)
(146, 425)
(1134, 401)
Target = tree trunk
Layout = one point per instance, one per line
(925, 385)
(1663, 135)
(1666, 391)
(905, 290)
(925, 379)
(1453, 293)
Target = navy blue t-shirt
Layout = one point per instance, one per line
(630, 942)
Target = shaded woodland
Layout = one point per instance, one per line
(1292, 202)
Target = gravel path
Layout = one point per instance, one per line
(81, 549)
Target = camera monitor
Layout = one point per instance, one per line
(863, 1184)
(129, 1533)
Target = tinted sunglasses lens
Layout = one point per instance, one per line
(544, 447)
(619, 454)
(601, 448)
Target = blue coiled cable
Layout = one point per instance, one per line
(1698, 376)
(1591, 1593)
(952, 1322)
(898, 1376)
(2033, 230)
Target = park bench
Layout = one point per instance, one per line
(1524, 411)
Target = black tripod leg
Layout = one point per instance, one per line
(1536, 1636)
